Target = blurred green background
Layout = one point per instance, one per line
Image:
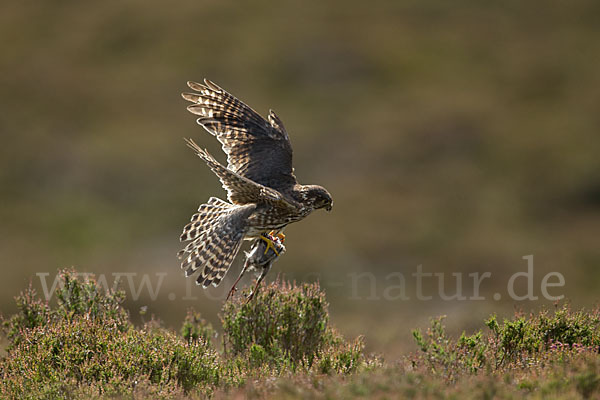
(460, 136)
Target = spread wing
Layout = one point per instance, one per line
(256, 149)
(241, 190)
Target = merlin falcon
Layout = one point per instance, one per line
(262, 191)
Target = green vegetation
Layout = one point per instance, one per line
(523, 345)
(457, 135)
(281, 344)
(85, 346)
(289, 327)
(460, 135)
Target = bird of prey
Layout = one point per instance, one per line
(262, 191)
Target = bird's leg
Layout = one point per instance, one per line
(269, 240)
(258, 281)
(233, 288)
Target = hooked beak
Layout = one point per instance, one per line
(329, 207)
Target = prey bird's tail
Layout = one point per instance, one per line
(215, 235)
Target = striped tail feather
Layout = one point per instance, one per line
(215, 233)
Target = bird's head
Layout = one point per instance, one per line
(317, 197)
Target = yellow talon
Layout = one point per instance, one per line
(270, 245)
(280, 235)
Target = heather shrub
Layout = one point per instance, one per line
(521, 342)
(82, 345)
(195, 328)
(85, 346)
(524, 337)
(74, 298)
(286, 325)
(53, 360)
(446, 356)
(33, 312)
